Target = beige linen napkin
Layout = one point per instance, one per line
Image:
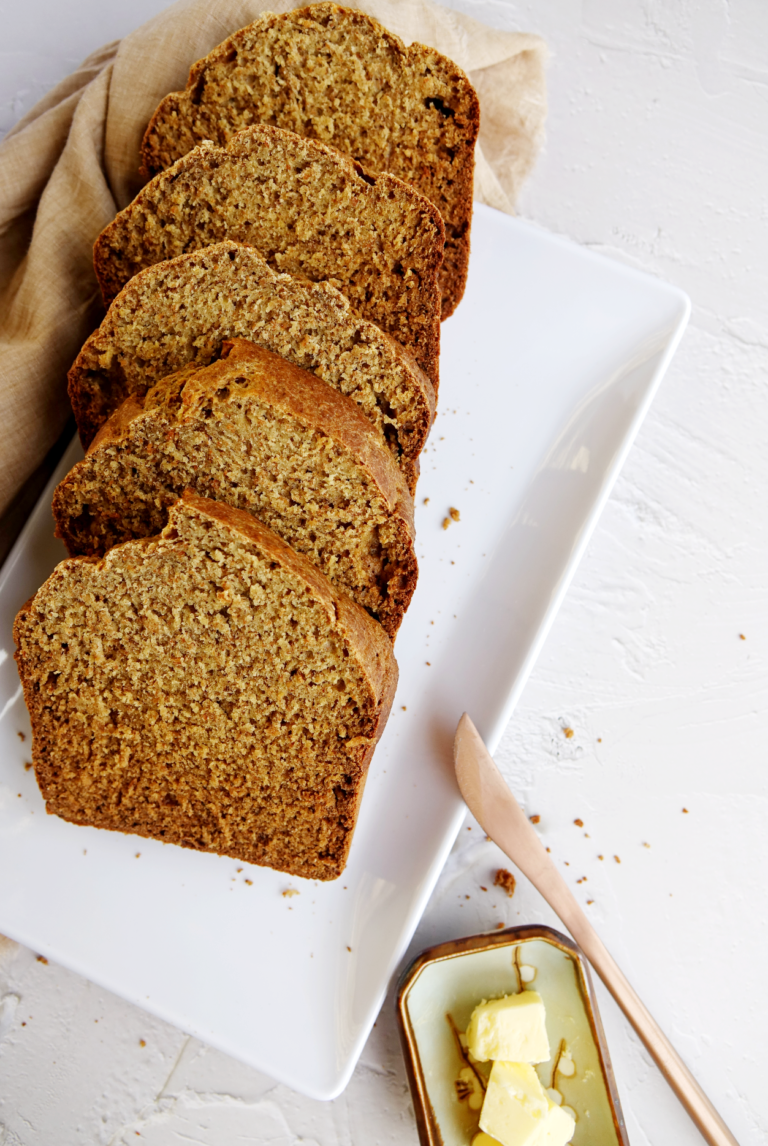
(71, 164)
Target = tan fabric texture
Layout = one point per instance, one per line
(72, 163)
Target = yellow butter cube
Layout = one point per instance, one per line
(517, 1111)
(558, 1127)
(515, 1104)
(512, 1029)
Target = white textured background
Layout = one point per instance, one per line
(657, 154)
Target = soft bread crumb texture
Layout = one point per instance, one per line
(310, 212)
(207, 688)
(258, 433)
(181, 311)
(336, 75)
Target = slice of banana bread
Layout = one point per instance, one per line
(179, 312)
(261, 434)
(310, 211)
(336, 75)
(207, 688)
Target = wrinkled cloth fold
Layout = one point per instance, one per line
(72, 163)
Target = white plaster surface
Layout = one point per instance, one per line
(657, 155)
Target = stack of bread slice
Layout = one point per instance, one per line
(179, 313)
(336, 75)
(261, 434)
(213, 666)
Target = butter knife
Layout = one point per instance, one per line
(497, 811)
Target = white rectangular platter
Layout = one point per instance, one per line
(548, 368)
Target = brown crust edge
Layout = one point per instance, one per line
(454, 282)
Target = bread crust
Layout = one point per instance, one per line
(181, 311)
(435, 154)
(190, 405)
(52, 708)
(310, 211)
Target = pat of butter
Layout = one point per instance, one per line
(558, 1127)
(517, 1111)
(511, 1029)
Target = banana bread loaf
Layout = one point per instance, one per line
(261, 434)
(336, 75)
(207, 688)
(179, 312)
(310, 211)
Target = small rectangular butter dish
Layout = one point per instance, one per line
(436, 997)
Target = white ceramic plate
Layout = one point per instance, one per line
(548, 368)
